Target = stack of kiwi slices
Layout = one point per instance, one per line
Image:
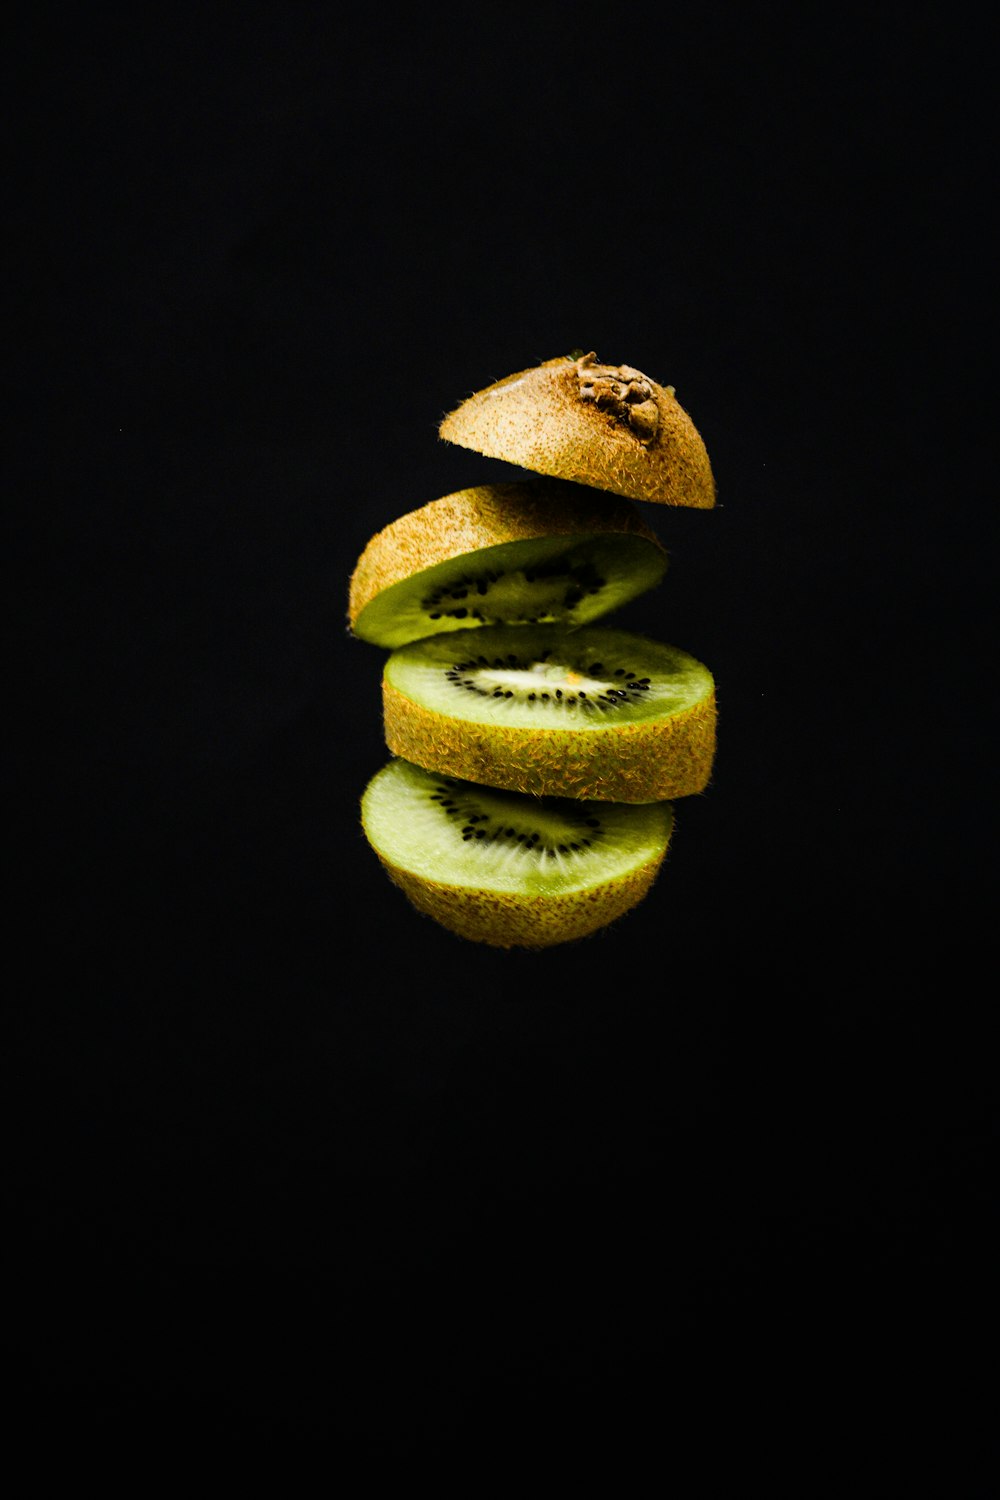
(536, 752)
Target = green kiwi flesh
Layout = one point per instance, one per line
(568, 579)
(510, 870)
(593, 712)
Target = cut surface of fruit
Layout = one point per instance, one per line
(517, 553)
(510, 870)
(593, 713)
(607, 426)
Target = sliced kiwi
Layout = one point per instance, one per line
(518, 553)
(592, 713)
(510, 870)
(609, 426)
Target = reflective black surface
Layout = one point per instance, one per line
(289, 1157)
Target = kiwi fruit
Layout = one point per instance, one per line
(606, 426)
(539, 550)
(508, 870)
(536, 754)
(588, 713)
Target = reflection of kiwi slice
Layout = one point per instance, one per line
(509, 870)
(518, 553)
(571, 713)
(608, 426)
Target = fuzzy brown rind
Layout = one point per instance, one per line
(551, 420)
(647, 761)
(505, 920)
(487, 515)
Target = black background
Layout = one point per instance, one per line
(292, 1160)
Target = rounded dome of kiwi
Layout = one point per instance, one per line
(509, 870)
(606, 426)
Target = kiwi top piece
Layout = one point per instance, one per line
(607, 426)
(537, 550)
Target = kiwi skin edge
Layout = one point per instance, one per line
(646, 761)
(505, 920)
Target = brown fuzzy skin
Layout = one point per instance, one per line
(646, 761)
(504, 920)
(484, 516)
(609, 427)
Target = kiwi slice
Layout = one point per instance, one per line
(608, 426)
(510, 870)
(594, 712)
(519, 553)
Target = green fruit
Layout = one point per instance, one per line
(607, 426)
(510, 870)
(593, 713)
(517, 553)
